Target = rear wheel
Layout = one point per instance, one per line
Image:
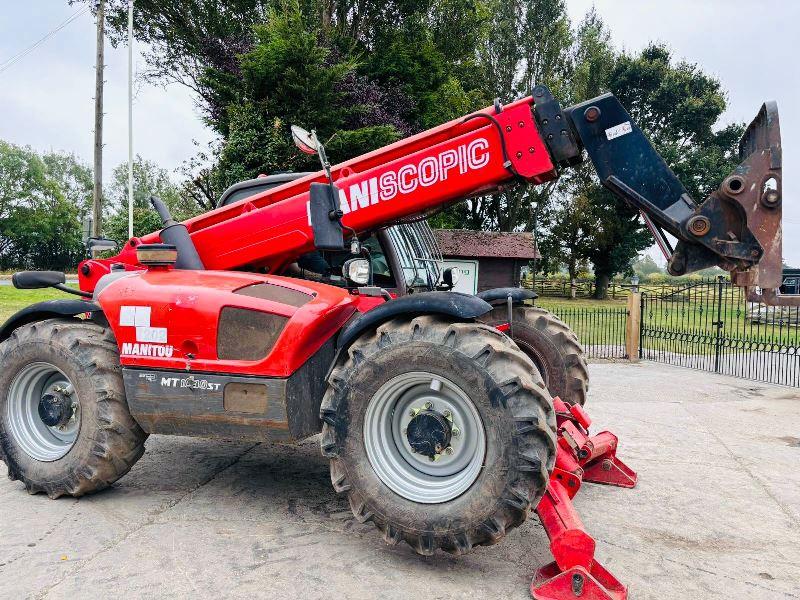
(65, 427)
(440, 433)
(552, 347)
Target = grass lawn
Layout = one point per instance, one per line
(12, 299)
(565, 303)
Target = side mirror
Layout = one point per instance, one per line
(356, 270)
(325, 223)
(306, 142)
(450, 277)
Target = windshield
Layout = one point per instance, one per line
(418, 253)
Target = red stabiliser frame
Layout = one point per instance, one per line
(580, 457)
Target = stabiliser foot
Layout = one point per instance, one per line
(580, 457)
(577, 582)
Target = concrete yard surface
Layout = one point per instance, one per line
(716, 513)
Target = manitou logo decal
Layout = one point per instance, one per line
(150, 341)
(408, 178)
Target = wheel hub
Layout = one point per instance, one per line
(424, 437)
(55, 408)
(43, 411)
(429, 433)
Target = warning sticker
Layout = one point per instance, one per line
(619, 130)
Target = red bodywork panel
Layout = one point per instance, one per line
(418, 174)
(187, 305)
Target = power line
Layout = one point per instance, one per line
(23, 53)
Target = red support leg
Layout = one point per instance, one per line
(580, 457)
(574, 573)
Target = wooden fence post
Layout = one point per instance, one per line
(633, 326)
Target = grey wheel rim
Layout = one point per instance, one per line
(30, 433)
(407, 473)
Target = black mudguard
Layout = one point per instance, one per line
(500, 295)
(461, 307)
(46, 310)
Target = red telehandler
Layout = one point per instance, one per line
(438, 428)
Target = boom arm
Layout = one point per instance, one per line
(464, 157)
(737, 227)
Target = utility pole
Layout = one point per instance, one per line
(97, 208)
(130, 118)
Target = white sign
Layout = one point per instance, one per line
(619, 130)
(468, 282)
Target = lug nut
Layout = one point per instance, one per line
(449, 450)
(428, 406)
(447, 414)
(456, 432)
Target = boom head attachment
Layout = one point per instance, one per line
(738, 227)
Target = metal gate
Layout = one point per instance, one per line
(710, 325)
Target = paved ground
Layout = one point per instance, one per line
(716, 513)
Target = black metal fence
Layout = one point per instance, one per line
(600, 330)
(585, 288)
(710, 325)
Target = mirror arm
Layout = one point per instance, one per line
(69, 290)
(365, 251)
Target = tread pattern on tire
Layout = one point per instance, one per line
(567, 343)
(523, 395)
(118, 442)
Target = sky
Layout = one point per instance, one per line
(46, 98)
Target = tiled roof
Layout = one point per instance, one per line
(486, 244)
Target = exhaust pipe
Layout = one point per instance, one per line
(176, 234)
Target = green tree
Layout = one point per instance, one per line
(361, 73)
(525, 42)
(678, 108)
(42, 200)
(646, 266)
(148, 180)
(569, 236)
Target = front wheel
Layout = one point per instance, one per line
(65, 427)
(440, 433)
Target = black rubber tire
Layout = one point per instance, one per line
(552, 346)
(109, 440)
(513, 403)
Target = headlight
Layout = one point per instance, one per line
(356, 270)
